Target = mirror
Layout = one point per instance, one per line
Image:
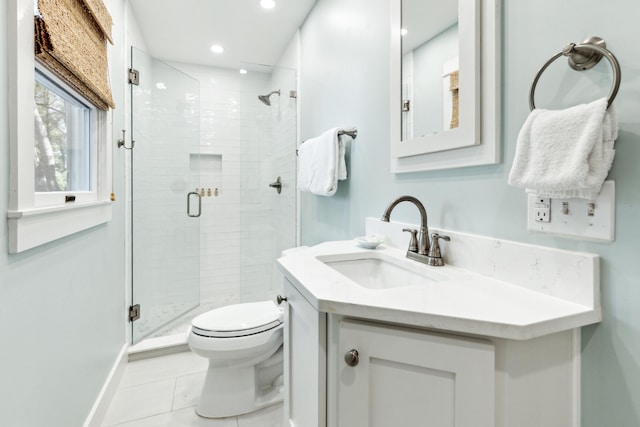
(429, 81)
(439, 85)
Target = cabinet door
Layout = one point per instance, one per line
(406, 377)
(304, 362)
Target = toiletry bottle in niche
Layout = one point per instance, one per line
(216, 192)
(208, 192)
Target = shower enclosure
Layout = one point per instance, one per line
(206, 226)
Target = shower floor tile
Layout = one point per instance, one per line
(163, 391)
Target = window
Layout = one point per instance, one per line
(60, 177)
(64, 142)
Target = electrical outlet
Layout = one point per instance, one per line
(542, 214)
(577, 218)
(541, 209)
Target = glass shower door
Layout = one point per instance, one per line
(165, 203)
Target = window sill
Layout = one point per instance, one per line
(35, 227)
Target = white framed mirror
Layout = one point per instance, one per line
(445, 80)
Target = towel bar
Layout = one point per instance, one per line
(583, 57)
(353, 133)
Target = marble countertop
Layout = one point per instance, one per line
(464, 301)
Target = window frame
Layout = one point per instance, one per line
(53, 198)
(31, 225)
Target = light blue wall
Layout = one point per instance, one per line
(345, 81)
(61, 304)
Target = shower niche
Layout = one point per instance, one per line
(206, 174)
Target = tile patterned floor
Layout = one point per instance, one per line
(163, 392)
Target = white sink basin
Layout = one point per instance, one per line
(376, 273)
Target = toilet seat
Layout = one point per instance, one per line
(238, 320)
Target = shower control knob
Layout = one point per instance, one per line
(277, 185)
(351, 357)
(280, 299)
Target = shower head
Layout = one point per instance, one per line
(265, 98)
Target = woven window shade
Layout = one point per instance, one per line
(71, 40)
(454, 86)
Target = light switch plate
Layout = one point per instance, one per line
(576, 218)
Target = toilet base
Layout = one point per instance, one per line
(228, 392)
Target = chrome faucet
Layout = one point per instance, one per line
(420, 249)
(423, 238)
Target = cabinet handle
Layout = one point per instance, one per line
(351, 357)
(280, 299)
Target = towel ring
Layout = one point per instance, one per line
(583, 57)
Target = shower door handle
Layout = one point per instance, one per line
(189, 195)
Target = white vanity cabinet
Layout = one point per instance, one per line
(491, 339)
(304, 362)
(408, 377)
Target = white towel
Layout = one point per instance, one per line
(321, 163)
(565, 153)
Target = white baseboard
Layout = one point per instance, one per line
(101, 405)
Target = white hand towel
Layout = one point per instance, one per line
(565, 153)
(342, 163)
(321, 164)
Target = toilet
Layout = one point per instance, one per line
(243, 343)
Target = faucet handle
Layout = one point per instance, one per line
(436, 236)
(434, 257)
(413, 243)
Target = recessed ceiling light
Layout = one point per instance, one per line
(216, 48)
(243, 71)
(267, 4)
(403, 32)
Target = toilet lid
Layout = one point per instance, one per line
(238, 320)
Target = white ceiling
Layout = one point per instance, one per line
(183, 31)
